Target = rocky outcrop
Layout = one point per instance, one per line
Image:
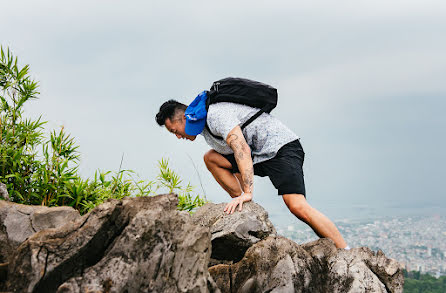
(232, 235)
(18, 222)
(135, 245)
(278, 264)
(146, 245)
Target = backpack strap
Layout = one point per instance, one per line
(263, 110)
(267, 108)
(215, 136)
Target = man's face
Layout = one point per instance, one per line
(177, 126)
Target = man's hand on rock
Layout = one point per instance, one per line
(238, 201)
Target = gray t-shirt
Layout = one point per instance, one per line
(265, 135)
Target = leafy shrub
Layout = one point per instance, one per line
(50, 176)
(19, 137)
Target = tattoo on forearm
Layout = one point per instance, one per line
(241, 153)
(239, 147)
(233, 137)
(233, 140)
(248, 179)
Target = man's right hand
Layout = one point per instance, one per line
(238, 201)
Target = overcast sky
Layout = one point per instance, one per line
(361, 82)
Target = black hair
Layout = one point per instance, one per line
(169, 109)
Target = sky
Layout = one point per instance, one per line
(362, 83)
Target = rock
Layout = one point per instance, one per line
(151, 256)
(370, 271)
(18, 222)
(233, 234)
(4, 192)
(277, 264)
(135, 245)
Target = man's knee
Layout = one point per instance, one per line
(214, 160)
(211, 158)
(298, 205)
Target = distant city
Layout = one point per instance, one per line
(417, 242)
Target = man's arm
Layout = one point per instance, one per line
(242, 154)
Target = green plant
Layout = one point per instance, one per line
(30, 178)
(169, 179)
(91, 193)
(86, 194)
(58, 168)
(19, 137)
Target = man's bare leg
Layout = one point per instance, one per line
(320, 224)
(220, 168)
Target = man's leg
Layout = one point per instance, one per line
(320, 224)
(220, 168)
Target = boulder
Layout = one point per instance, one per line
(233, 234)
(370, 271)
(135, 245)
(278, 264)
(18, 222)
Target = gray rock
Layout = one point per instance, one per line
(150, 255)
(18, 222)
(136, 245)
(370, 271)
(233, 234)
(277, 264)
(4, 192)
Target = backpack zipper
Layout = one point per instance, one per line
(216, 84)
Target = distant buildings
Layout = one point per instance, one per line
(418, 243)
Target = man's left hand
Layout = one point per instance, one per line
(238, 201)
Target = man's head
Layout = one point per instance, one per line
(171, 114)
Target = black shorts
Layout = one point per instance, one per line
(284, 170)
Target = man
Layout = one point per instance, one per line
(265, 147)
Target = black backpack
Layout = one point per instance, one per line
(242, 91)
